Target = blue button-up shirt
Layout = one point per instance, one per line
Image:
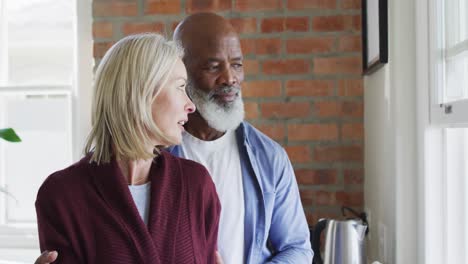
(275, 227)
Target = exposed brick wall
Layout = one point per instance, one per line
(303, 86)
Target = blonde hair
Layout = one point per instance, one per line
(128, 78)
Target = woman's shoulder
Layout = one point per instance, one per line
(192, 170)
(61, 182)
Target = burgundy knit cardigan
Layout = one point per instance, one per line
(87, 214)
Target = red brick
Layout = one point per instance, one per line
(336, 23)
(315, 4)
(142, 27)
(326, 109)
(310, 45)
(279, 24)
(339, 109)
(356, 23)
(244, 25)
(316, 176)
(297, 24)
(279, 110)
(318, 197)
(263, 5)
(353, 176)
(322, 132)
(350, 43)
(353, 131)
(338, 153)
(309, 88)
(248, 46)
(194, 6)
(250, 67)
(317, 214)
(162, 7)
(113, 9)
(261, 89)
(311, 217)
(350, 198)
(102, 30)
(328, 23)
(100, 48)
(174, 25)
(352, 109)
(299, 154)
(274, 131)
(336, 65)
(251, 110)
(324, 198)
(350, 87)
(351, 4)
(274, 24)
(268, 46)
(292, 66)
(307, 197)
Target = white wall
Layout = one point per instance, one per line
(390, 144)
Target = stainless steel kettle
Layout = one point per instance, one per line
(344, 239)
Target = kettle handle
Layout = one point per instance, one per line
(362, 216)
(319, 227)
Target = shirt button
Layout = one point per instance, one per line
(259, 241)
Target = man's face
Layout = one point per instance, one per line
(215, 74)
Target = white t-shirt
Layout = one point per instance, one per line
(221, 158)
(141, 197)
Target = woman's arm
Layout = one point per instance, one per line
(212, 214)
(54, 226)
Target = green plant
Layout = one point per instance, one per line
(8, 134)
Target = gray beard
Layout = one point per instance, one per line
(221, 117)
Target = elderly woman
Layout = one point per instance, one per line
(127, 200)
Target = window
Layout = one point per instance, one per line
(454, 188)
(45, 79)
(446, 135)
(449, 48)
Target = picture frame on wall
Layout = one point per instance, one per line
(374, 35)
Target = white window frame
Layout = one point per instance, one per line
(84, 77)
(25, 236)
(432, 122)
(452, 114)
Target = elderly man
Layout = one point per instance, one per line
(262, 219)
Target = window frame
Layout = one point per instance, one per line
(450, 114)
(24, 236)
(432, 125)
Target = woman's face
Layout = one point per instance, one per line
(171, 106)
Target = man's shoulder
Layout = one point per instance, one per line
(257, 138)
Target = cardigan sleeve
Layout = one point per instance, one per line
(54, 224)
(212, 214)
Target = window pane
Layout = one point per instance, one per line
(454, 34)
(40, 41)
(452, 25)
(463, 19)
(43, 123)
(457, 197)
(456, 77)
(456, 21)
(18, 256)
